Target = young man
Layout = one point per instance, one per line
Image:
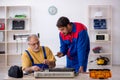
(74, 42)
(37, 57)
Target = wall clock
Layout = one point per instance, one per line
(52, 10)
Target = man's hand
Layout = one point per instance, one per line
(31, 69)
(51, 64)
(35, 68)
(59, 54)
(81, 69)
(46, 62)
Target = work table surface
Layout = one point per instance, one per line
(81, 76)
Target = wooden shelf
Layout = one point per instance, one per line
(12, 50)
(100, 12)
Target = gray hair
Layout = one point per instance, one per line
(30, 36)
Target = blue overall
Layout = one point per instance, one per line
(76, 46)
(43, 66)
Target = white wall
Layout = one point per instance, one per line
(76, 10)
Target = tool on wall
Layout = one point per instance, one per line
(97, 49)
(18, 24)
(19, 37)
(101, 60)
(2, 26)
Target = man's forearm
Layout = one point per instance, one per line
(29, 69)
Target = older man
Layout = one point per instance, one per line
(37, 57)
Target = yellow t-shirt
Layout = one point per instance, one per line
(38, 57)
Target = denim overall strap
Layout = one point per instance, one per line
(45, 57)
(30, 57)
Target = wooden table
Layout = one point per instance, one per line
(81, 76)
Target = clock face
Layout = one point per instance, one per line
(52, 10)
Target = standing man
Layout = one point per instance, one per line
(74, 42)
(37, 57)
